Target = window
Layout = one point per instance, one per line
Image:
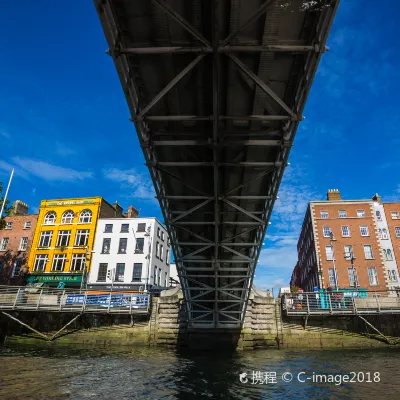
(166, 280)
(364, 230)
(59, 262)
(373, 278)
(397, 231)
(45, 238)
(167, 257)
(50, 218)
(82, 237)
(348, 252)
(85, 217)
(63, 238)
(40, 262)
(388, 254)
(168, 242)
(352, 276)
(122, 245)
(162, 235)
(345, 231)
(159, 278)
(27, 225)
(329, 252)
(108, 228)
(395, 214)
(155, 275)
(342, 214)
(139, 245)
(158, 232)
(327, 231)
(105, 249)
(23, 244)
(161, 252)
(332, 277)
(383, 233)
(157, 249)
(9, 225)
(17, 268)
(141, 228)
(378, 216)
(102, 274)
(324, 214)
(78, 262)
(4, 244)
(137, 272)
(125, 228)
(360, 213)
(368, 252)
(67, 217)
(392, 275)
(120, 272)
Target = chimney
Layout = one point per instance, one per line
(19, 208)
(118, 209)
(333, 195)
(132, 212)
(377, 198)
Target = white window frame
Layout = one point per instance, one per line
(9, 224)
(50, 218)
(352, 273)
(68, 217)
(342, 213)
(137, 249)
(43, 235)
(159, 232)
(157, 249)
(23, 244)
(120, 277)
(334, 276)
(161, 252)
(85, 217)
(329, 253)
(56, 258)
(40, 259)
(28, 225)
(343, 228)
(105, 247)
(378, 215)
(393, 275)
(122, 249)
(360, 213)
(368, 254)
(162, 235)
(76, 259)
(365, 228)
(61, 235)
(167, 257)
(388, 254)
(82, 233)
(397, 231)
(136, 269)
(347, 254)
(4, 243)
(394, 214)
(373, 275)
(17, 268)
(383, 233)
(326, 234)
(324, 214)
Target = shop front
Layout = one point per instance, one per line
(62, 280)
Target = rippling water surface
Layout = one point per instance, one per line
(54, 372)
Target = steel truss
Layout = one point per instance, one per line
(216, 184)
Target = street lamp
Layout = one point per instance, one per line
(352, 258)
(147, 234)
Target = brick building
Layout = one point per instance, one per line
(346, 243)
(15, 244)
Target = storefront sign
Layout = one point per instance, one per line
(68, 203)
(54, 278)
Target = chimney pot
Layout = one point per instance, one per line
(333, 195)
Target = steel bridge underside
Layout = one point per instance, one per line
(216, 90)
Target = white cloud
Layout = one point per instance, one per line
(50, 172)
(63, 150)
(139, 185)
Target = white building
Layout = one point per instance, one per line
(386, 244)
(130, 253)
(173, 275)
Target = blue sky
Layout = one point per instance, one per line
(64, 120)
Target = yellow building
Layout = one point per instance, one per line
(64, 237)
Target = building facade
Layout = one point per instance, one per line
(346, 244)
(15, 244)
(64, 238)
(130, 254)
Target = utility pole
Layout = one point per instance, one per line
(6, 194)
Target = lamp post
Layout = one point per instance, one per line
(147, 234)
(332, 239)
(355, 278)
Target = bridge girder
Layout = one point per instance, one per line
(202, 79)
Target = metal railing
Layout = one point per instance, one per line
(70, 300)
(344, 302)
